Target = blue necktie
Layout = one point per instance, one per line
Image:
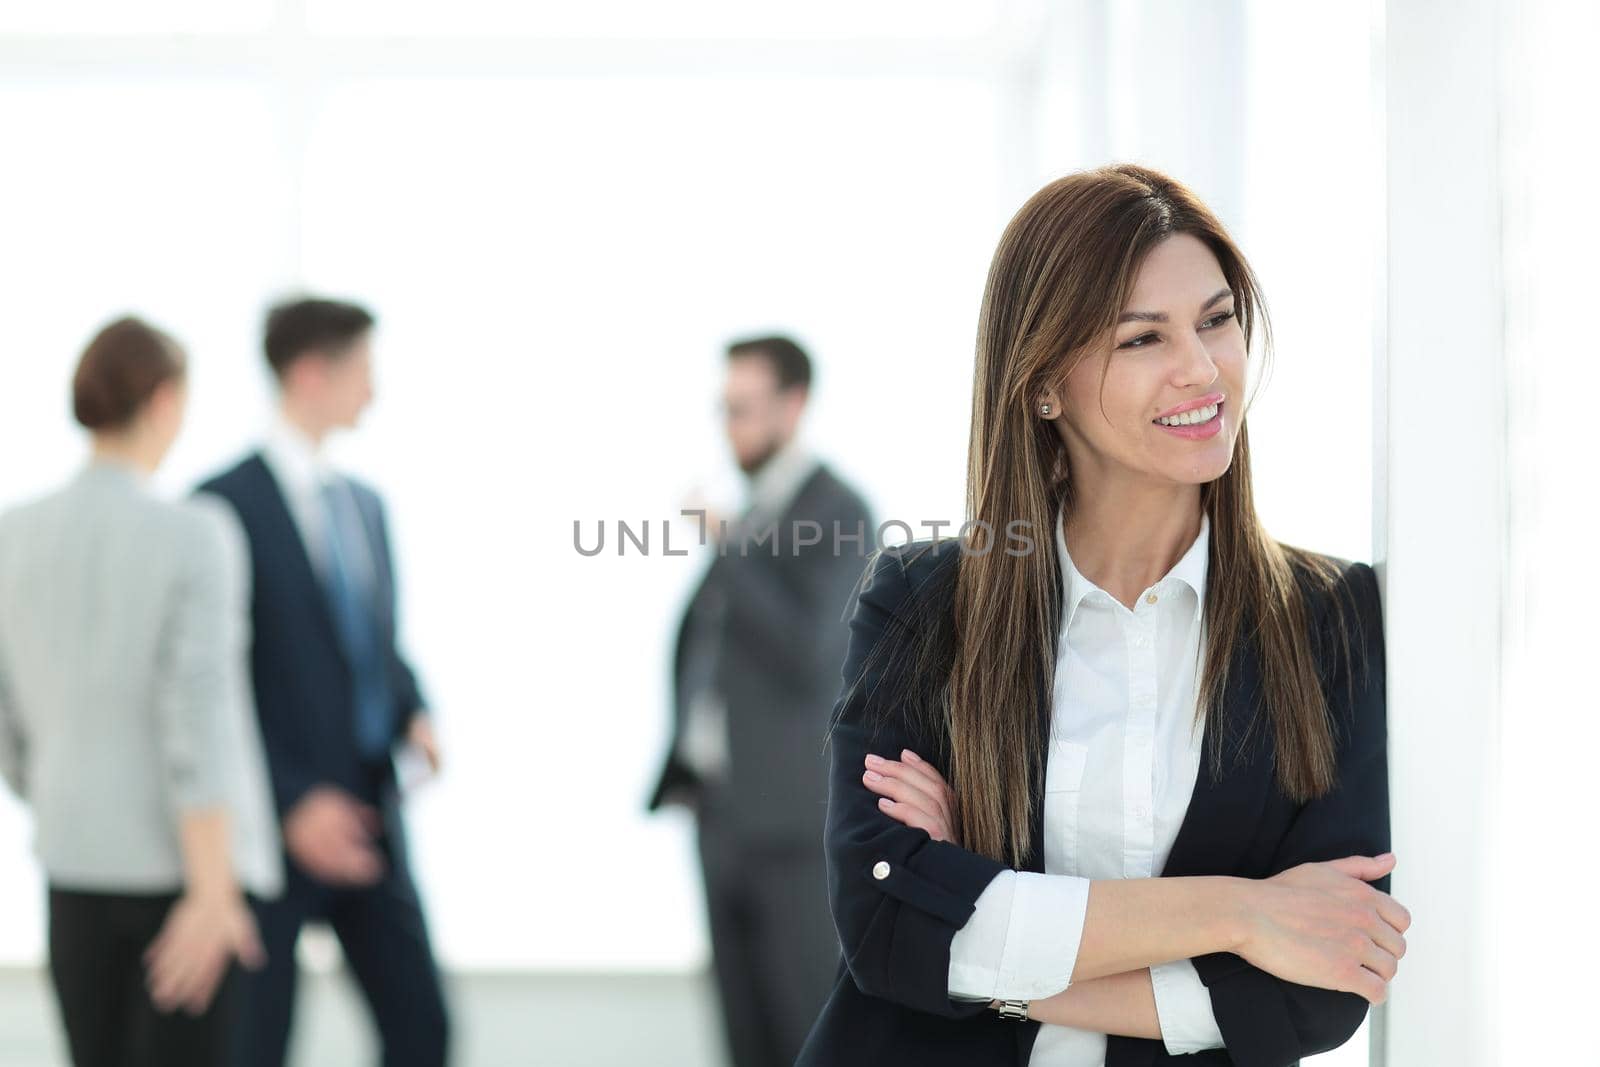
(355, 617)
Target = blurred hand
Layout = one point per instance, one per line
(420, 736)
(330, 834)
(200, 938)
(913, 792)
(1320, 924)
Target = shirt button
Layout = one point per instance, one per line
(1150, 599)
(880, 870)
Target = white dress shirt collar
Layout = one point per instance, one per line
(1190, 570)
(296, 458)
(774, 485)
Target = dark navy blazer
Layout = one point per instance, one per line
(301, 676)
(890, 1004)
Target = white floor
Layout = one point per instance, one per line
(501, 1021)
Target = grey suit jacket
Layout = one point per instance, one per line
(782, 639)
(124, 696)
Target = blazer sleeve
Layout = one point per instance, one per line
(13, 740)
(200, 654)
(897, 896)
(1266, 1021)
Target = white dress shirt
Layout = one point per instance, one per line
(301, 471)
(1124, 756)
(703, 744)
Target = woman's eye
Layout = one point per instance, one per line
(1140, 341)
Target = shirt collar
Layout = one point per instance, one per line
(1190, 569)
(296, 457)
(781, 476)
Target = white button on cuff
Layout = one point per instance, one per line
(880, 870)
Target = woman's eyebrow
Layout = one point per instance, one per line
(1161, 316)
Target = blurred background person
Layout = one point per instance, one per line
(334, 696)
(756, 671)
(125, 725)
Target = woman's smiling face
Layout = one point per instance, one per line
(1178, 343)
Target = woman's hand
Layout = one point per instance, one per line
(202, 935)
(911, 791)
(1320, 924)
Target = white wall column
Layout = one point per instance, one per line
(1441, 518)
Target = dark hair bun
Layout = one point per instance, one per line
(121, 368)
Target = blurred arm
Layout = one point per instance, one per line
(13, 743)
(408, 694)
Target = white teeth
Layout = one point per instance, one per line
(1191, 418)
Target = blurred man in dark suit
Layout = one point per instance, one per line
(334, 697)
(756, 672)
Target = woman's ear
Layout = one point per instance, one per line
(164, 408)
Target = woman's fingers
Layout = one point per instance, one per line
(902, 790)
(919, 776)
(1393, 912)
(1380, 961)
(168, 980)
(1387, 938)
(1369, 985)
(203, 985)
(914, 760)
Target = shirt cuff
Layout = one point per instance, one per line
(1021, 942)
(1183, 1006)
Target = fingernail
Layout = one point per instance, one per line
(885, 802)
(910, 755)
(1385, 855)
(874, 761)
(874, 776)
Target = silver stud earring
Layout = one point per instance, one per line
(1044, 409)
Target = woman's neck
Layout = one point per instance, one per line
(1125, 543)
(127, 450)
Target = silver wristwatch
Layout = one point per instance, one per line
(1013, 1010)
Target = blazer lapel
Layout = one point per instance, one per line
(287, 532)
(1225, 811)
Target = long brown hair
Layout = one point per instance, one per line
(1064, 269)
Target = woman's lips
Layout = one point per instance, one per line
(1201, 431)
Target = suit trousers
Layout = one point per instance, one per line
(384, 937)
(774, 950)
(97, 942)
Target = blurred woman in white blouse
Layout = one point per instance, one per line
(126, 726)
(1108, 769)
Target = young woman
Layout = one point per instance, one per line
(1108, 773)
(126, 726)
